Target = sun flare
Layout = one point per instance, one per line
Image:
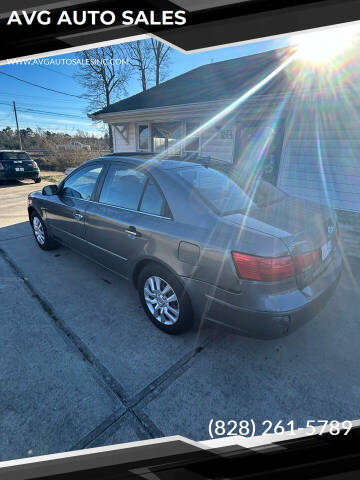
(323, 46)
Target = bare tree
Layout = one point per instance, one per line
(161, 53)
(139, 56)
(104, 74)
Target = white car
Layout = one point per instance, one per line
(74, 145)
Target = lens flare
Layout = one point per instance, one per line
(225, 113)
(321, 47)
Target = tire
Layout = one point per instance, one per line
(37, 180)
(44, 241)
(149, 292)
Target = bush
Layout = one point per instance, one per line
(41, 146)
(63, 159)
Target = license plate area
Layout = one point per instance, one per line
(326, 250)
(19, 169)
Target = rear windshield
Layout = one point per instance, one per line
(14, 156)
(228, 195)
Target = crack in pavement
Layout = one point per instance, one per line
(15, 238)
(98, 430)
(171, 374)
(110, 382)
(149, 392)
(105, 375)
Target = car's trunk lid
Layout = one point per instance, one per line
(16, 162)
(302, 225)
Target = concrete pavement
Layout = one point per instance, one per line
(83, 366)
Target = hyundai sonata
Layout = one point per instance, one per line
(195, 242)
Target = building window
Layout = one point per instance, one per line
(143, 137)
(166, 135)
(193, 144)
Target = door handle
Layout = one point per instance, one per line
(132, 231)
(78, 216)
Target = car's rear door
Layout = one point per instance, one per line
(120, 223)
(66, 212)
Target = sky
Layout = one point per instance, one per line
(39, 108)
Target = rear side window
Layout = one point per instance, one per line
(123, 187)
(14, 156)
(229, 195)
(152, 201)
(223, 194)
(82, 183)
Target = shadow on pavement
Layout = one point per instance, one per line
(174, 384)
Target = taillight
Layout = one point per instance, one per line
(272, 269)
(264, 269)
(1, 166)
(35, 165)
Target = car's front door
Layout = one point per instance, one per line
(66, 212)
(116, 228)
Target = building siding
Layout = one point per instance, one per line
(119, 143)
(320, 155)
(214, 145)
(320, 159)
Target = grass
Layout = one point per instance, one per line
(52, 177)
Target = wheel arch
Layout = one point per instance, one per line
(31, 210)
(138, 267)
(143, 262)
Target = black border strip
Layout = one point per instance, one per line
(205, 28)
(306, 458)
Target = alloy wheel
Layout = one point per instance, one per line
(161, 300)
(38, 231)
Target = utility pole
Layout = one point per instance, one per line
(17, 125)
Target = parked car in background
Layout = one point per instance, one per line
(18, 165)
(73, 145)
(195, 243)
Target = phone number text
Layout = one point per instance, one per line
(249, 428)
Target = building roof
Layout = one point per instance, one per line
(211, 82)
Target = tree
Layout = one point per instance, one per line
(139, 56)
(161, 54)
(104, 75)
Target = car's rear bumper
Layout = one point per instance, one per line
(32, 175)
(226, 308)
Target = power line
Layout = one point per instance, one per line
(44, 112)
(55, 114)
(54, 71)
(34, 97)
(45, 88)
(61, 108)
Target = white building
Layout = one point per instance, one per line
(301, 128)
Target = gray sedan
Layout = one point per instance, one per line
(196, 242)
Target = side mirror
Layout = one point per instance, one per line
(50, 190)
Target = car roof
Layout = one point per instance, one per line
(13, 151)
(140, 158)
